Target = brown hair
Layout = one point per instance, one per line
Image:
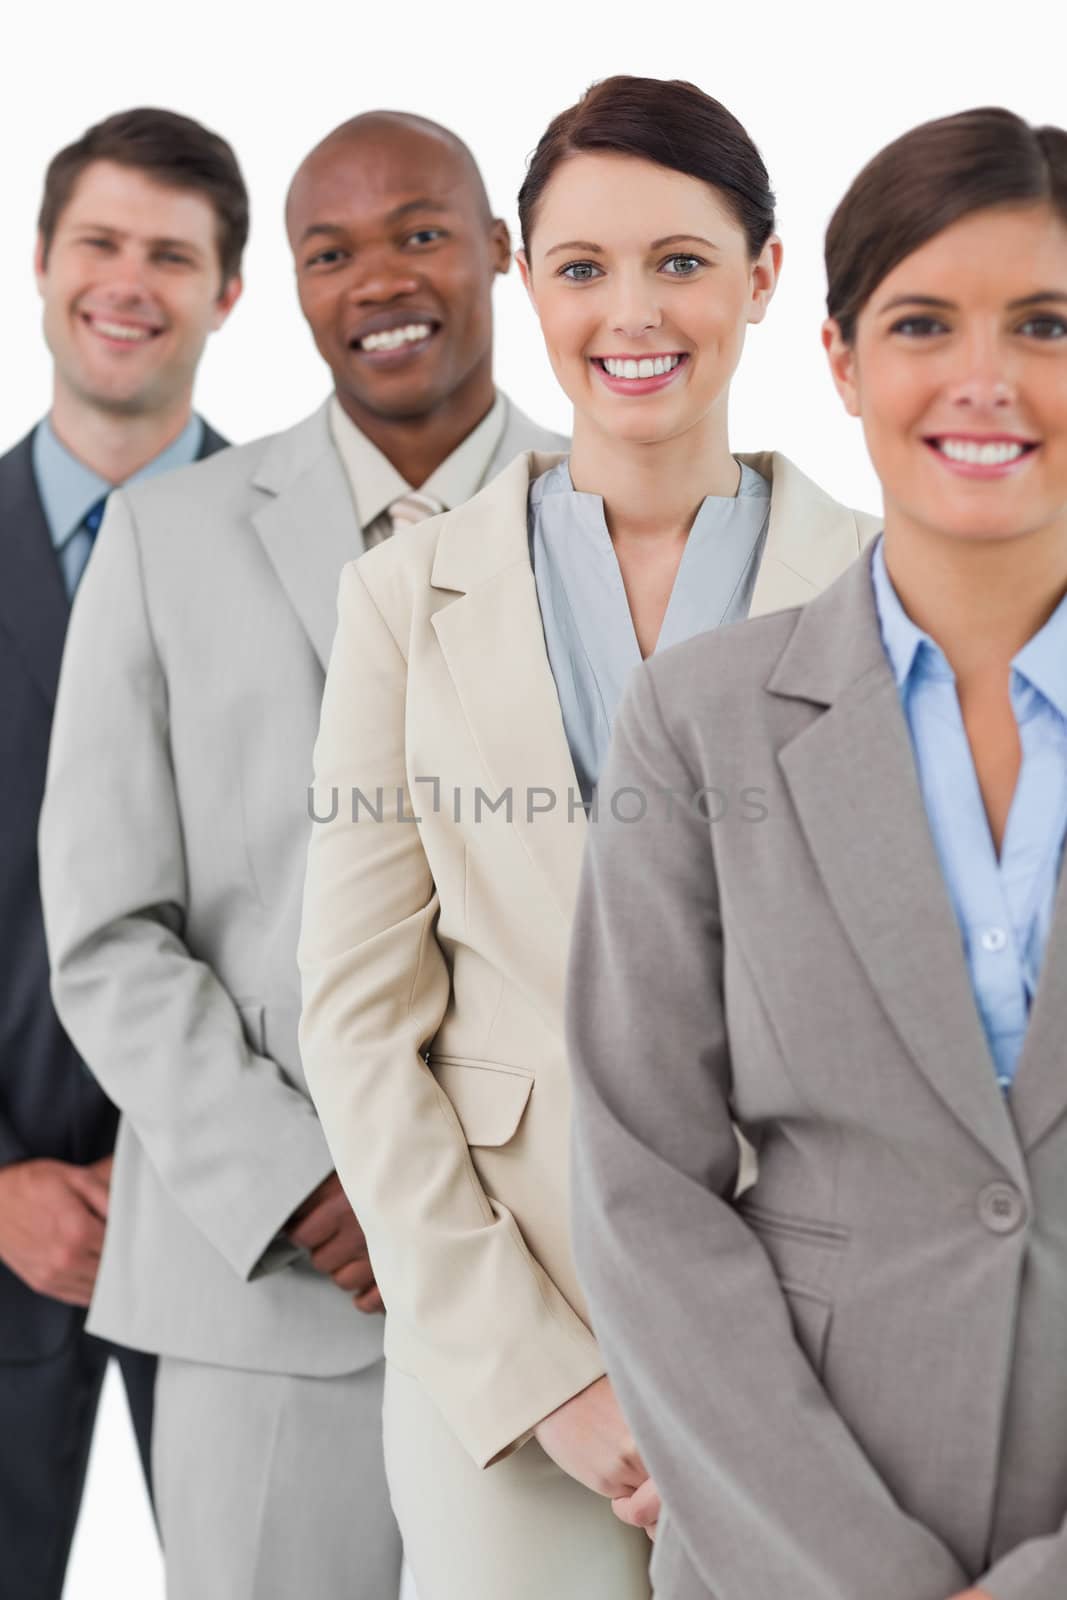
(168, 148)
(928, 179)
(670, 122)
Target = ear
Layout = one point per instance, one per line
(842, 358)
(522, 261)
(765, 271)
(500, 245)
(231, 293)
(39, 265)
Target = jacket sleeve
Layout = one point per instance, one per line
(1034, 1570)
(235, 1144)
(471, 1314)
(11, 1146)
(766, 1490)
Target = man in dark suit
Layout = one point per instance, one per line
(141, 232)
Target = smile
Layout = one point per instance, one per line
(389, 342)
(122, 332)
(639, 374)
(980, 457)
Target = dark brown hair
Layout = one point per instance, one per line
(168, 148)
(670, 122)
(928, 179)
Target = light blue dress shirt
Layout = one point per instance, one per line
(69, 489)
(1003, 907)
(589, 633)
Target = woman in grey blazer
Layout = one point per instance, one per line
(823, 907)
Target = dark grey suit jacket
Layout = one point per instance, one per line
(49, 1104)
(850, 1383)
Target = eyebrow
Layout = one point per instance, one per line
(1040, 297)
(161, 242)
(333, 230)
(657, 244)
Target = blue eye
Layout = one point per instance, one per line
(580, 271)
(685, 265)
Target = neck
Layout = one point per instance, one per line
(653, 490)
(416, 446)
(980, 600)
(115, 444)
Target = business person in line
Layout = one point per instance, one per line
(852, 1381)
(174, 839)
(475, 674)
(142, 225)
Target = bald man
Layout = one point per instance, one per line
(173, 841)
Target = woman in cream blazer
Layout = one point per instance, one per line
(851, 1382)
(476, 667)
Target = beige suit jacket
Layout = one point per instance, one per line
(433, 952)
(173, 841)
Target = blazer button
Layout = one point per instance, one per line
(1001, 1208)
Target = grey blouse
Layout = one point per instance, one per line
(589, 633)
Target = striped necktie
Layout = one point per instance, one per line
(412, 508)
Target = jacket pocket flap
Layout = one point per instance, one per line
(489, 1100)
(806, 1255)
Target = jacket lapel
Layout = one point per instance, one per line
(851, 775)
(493, 645)
(811, 538)
(33, 601)
(307, 523)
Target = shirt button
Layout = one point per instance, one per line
(1001, 1208)
(993, 939)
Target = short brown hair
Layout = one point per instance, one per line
(926, 180)
(169, 148)
(670, 122)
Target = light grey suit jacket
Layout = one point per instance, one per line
(173, 844)
(850, 1383)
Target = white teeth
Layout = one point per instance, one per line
(122, 330)
(980, 455)
(646, 367)
(392, 338)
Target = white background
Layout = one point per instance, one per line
(820, 86)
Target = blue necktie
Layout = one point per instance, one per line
(93, 518)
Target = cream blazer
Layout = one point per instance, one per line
(435, 935)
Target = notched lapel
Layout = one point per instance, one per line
(493, 645)
(851, 775)
(307, 524)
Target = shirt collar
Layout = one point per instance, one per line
(375, 482)
(68, 488)
(1042, 661)
(902, 639)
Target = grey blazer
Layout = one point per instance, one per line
(173, 844)
(851, 1382)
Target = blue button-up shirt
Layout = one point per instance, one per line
(1004, 907)
(69, 489)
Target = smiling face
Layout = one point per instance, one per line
(131, 290)
(395, 260)
(644, 287)
(958, 370)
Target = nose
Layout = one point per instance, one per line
(635, 310)
(984, 379)
(123, 279)
(380, 276)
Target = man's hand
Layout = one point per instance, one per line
(588, 1438)
(326, 1226)
(52, 1216)
(971, 1594)
(640, 1509)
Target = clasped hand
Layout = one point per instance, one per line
(588, 1437)
(328, 1229)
